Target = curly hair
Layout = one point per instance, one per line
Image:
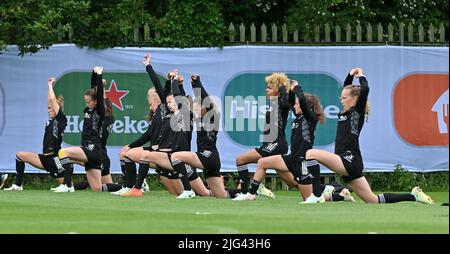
(276, 79)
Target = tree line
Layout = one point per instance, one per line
(31, 24)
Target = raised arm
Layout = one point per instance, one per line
(52, 101)
(283, 99)
(292, 97)
(364, 93)
(93, 80)
(100, 98)
(177, 88)
(197, 84)
(154, 78)
(349, 79)
(309, 115)
(180, 85)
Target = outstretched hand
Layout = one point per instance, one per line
(359, 72)
(294, 84)
(52, 81)
(98, 70)
(180, 79)
(195, 77)
(172, 74)
(354, 71)
(146, 60)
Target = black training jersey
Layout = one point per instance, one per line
(176, 136)
(93, 119)
(189, 132)
(283, 113)
(157, 126)
(351, 122)
(303, 127)
(108, 123)
(207, 126)
(54, 131)
(207, 136)
(152, 134)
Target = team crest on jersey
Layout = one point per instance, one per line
(342, 118)
(87, 115)
(295, 125)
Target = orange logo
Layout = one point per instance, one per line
(421, 109)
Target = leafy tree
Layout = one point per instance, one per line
(191, 23)
(255, 11)
(31, 24)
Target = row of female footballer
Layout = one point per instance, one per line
(173, 115)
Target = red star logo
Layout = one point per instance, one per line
(116, 95)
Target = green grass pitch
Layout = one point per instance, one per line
(33, 211)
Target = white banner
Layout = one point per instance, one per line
(408, 96)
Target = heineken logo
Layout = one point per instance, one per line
(245, 106)
(127, 92)
(115, 95)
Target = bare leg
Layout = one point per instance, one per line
(251, 156)
(30, 158)
(159, 158)
(305, 190)
(190, 158)
(166, 181)
(332, 161)
(135, 154)
(216, 186)
(275, 162)
(199, 187)
(177, 186)
(362, 188)
(288, 178)
(107, 179)
(94, 177)
(329, 160)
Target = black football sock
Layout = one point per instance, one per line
(243, 177)
(143, 171)
(232, 193)
(111, 187)
(336, 197)
(124, 172)
(395, 197)
(68, 171)
(314, 170)
(180, 168)
(81, 186)
(20, 168)
(254, 186)
(130, 167)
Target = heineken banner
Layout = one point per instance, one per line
(407, 125)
